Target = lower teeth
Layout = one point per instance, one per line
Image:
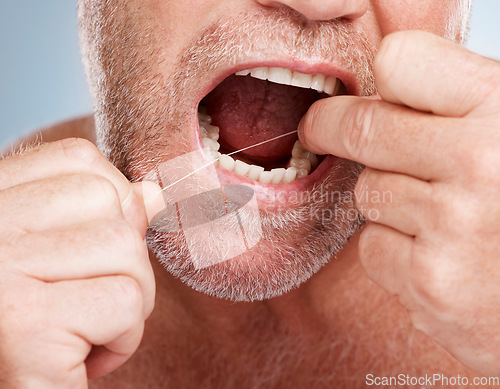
(301, 163)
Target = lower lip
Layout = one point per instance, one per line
(282, 192)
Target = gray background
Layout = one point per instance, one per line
(41, 76)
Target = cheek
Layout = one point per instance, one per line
(183, 19)
(447, 18)
(172, 24)
(179, 23)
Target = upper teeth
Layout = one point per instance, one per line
(319, 82)
(300, 165)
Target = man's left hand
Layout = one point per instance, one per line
(433, 143)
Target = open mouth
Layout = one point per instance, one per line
(253, 106)
(299, 210)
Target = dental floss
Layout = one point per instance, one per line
(231, 153)
(203, 210)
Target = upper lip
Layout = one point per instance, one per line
(349, 79)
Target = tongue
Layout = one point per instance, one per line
(249, 111)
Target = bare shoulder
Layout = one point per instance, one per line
(82, 127)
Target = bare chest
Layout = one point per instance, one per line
(340, 348)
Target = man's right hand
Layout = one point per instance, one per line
(76, 284)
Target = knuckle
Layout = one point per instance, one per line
(359, 129)
(102, 190)
(375, 188)
(371, 253)
(130, 295)
(129, 239)
(310, 120)
(391, 50)
(314, 112)
(22, 308)
(432, 281)
(134, 205)
(137, 245)
(80, 149)
(481, 164)
(420, 322)
(122, 232)
(363, 185)
(446, 209)
(459, 215)
(12, 247)
(487, 89)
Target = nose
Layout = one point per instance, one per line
(323, 9)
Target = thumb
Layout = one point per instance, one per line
(152, 197)
(143, 202)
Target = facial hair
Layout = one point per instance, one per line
(143, 119)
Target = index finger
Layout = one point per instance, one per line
(432, 74)
(381, 135)
(79, 156)
(63, 157)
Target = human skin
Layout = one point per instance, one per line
(330, 331)
(435, 245)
